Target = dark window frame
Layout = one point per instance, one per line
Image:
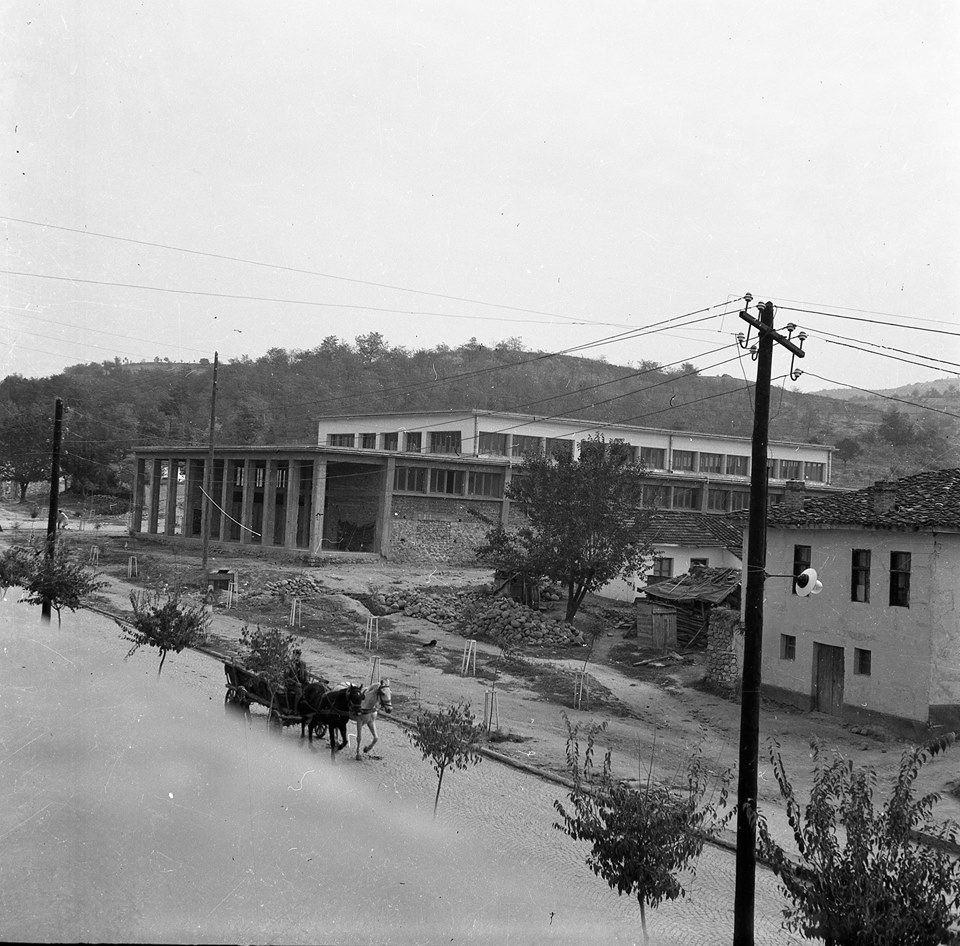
(788, 647)
(802, 557)
(860, 575)
(862, 662)
(900, 563)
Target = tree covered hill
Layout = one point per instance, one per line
(277, 398)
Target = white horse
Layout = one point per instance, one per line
(375, 697)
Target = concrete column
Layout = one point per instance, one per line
(225, 488)
(170, 523)
(153, 517)
(189, 476)
(293, 504)
(269, 501)
(316, 508)
(381, 541)
(509, 447)
(247, 505)
(139, 485)
(505, 503)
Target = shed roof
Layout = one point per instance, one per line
(710, 585)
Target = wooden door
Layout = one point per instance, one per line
(828, 679)
(664, 629)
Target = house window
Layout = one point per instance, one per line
(718, 500)
(736, 466)
(653, 458)
(683, 460)
(791, 469)
(699, 562)
(860, 575)
(652, 496)
(788, 647)
(368, 441)
(899, 579)
(259, 475)
(238, 473)
(341, 440)
(282, 473)
(711, 462)
(391, 441)
(445, 441)
(686, 497)
(412, 443)
(861, 662)
(662, 568)
(525, 446)
(495, 444)
(449, 482)
(739, 500)
(410, 479)
(817, 472)
(801, 562)
(556, 447)
(485, 484)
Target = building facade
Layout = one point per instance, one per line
(424, 486)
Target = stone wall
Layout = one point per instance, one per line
(725, 650)
(427, 530)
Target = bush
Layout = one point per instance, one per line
(167, 626)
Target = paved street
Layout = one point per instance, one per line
(136, 811)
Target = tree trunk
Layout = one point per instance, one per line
(643, 923)
(436, 801)
(23, 490)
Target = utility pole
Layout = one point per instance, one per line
(746, 864)
(54, 512)
(208, 470)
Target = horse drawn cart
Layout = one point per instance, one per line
(283, 703)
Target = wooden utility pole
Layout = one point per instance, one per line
(54, 513)
(746, 864)
(208, 469)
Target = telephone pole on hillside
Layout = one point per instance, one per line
(208, 470)
(746, 865)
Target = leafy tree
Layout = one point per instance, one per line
(24, 444)
(896, 428)
(275, 656)
(448, 737)
(862, 878)
(848, 448)
(640, 838)
(57, 578)
(582, 520)
(170, 626)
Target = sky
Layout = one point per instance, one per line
(185, 178)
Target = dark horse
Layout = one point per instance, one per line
(331, 708)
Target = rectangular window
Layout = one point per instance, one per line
(391, 441)
(816, 472)
(788, 647)
(493, 445)
(412, 443)
(861, 662)
(282, 473)
(686, 497)
(557, 448)
(737, 466)
(718, 500)
(683, 460)
(699, 562)
(711, 462)
(860, 575)
(662, 568)
(802, 556)
(238, 474)
(485, 484)
(739, 500)
(410, 479)
(341, 440)
(791, 469)
(652, 497)
(259, 476)
(449, 482)
(653, 458)
(525, 446)
(445, 441)
(899, 579)
(368, 441)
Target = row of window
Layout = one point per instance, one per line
(420, 479)
(663, 567)
(898, 588)
(259, 476)
(862, 659)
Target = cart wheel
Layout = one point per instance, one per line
(320, 731)
(233, 706)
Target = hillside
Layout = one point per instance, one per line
(278, 397)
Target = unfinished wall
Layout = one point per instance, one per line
(725, 650)
(427, 529)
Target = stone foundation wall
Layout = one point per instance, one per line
(427, 530)
(725, 650)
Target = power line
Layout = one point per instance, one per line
(885, 397)
(855, 318)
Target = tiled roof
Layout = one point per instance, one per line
(692, 529)
(929, 500)
(712, 585)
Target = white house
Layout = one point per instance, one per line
(882, 639)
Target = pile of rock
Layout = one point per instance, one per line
(300, 586)
(505, 620)
(442, 609)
